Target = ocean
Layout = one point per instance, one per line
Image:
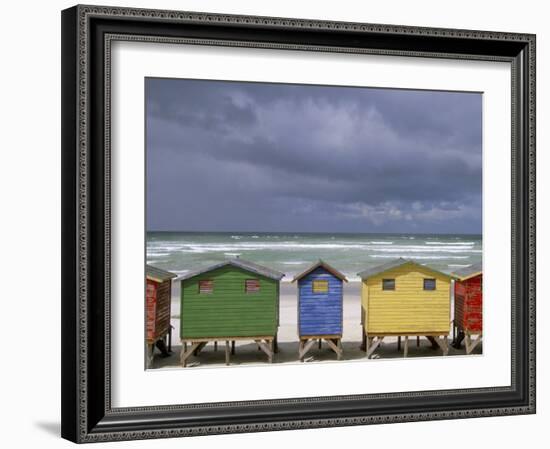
(291, 253)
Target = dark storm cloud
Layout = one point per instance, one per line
(251, 156)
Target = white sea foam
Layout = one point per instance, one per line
(421, 249)
(373, 246)
(381, 256)
(270, 246)
(167, 247)
(289, 252)
(450, 243)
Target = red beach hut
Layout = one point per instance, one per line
(468, 319)
(158, 298)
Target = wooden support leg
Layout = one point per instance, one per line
(215, 346)
(150, 350)
(233, 347)
(433, 341)
(267, 349)
(478, 340)
(406, 346)
(418, 341)
(399, 343)
(305, 348)
(275, 345)
(185, 354)
(200, 347)
(185, 347)
(443, 344)
(375, 344)
(335, 346)
(363, 341)
(227, 352)
(320, 340)
(471, 344)
(454, 334)
(170, 340)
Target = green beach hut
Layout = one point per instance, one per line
(232, 300)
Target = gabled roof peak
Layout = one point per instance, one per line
(379, 269)
(321, 264)
(239, 263)
(468, 272)
(157, 274)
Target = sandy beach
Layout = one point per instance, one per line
(247, 353)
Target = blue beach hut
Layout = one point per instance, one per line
(320, 307)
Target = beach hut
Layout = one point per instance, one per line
(403, 298)
(232, 300)
(468, 319)
(320, 307)
(158, 297)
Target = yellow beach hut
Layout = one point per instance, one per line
(403, 298)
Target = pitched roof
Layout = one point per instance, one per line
(156, 274)
(322, 264)
(394, 264)
(468, 272)
(239, 263)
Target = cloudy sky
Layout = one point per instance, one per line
(232, 156)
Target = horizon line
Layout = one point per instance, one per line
(313, 232)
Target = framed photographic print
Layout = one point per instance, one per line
(256, 208)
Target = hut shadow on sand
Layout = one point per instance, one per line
(247, 354)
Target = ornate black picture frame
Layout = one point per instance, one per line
(87, 33)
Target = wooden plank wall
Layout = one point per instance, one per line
(151, 309)
(472, 319)
(158, 303)
(164, 292)
(320, 313)
(460, 300)
(229, 311)
(409, 308)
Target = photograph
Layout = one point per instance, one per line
(273, 222)
(304, 224)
